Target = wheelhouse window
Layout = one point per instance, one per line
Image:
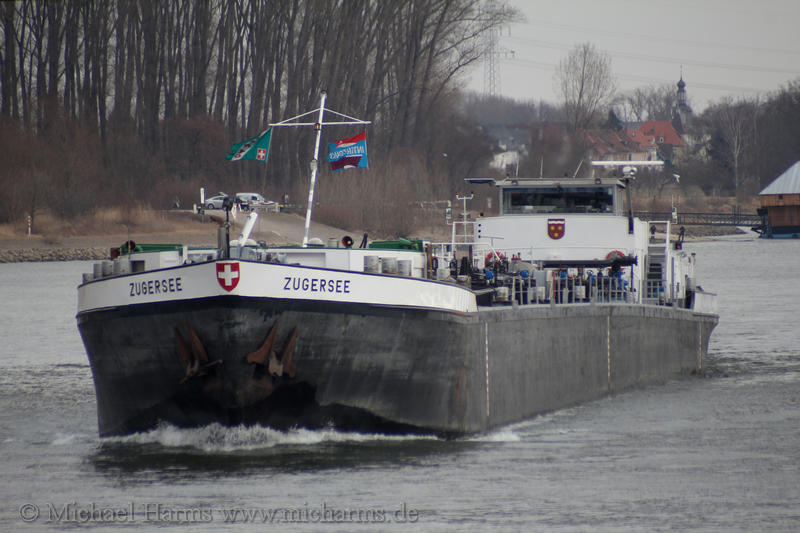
(522, 201)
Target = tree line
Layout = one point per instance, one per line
(140, 100)
(736, 146)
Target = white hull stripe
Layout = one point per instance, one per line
(270, 280)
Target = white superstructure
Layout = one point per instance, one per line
(554, 241)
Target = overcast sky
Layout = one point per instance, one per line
(725, 47)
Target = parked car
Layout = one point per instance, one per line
(215, 202)
(245, 200)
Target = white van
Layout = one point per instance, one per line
(249, 200)
(253, 200)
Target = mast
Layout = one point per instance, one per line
(314, 164)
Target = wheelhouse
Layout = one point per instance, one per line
(528, 197)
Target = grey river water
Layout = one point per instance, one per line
(719, 452)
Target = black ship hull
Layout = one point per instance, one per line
(287, 362)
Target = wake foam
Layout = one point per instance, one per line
(219, 438)
(505, 434)
(64, 439)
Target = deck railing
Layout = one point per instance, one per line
(735, 218)
(563, 290)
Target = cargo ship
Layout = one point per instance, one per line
(562, 297)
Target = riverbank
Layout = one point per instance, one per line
(93, 242)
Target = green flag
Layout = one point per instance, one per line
(256, 148)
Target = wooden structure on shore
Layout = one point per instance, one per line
(780, 206)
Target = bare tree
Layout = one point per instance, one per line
(735, 122)
(586, 83)
(779, 132)
(162, 88)
(8, 74)
(647, 103)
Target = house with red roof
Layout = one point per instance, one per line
(659, 139)
(610, 145)
(648, 141)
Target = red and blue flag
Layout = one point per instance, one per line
(348, 153)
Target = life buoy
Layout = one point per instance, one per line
(347, 241)
(614, 254)
(490, 257)
(128, 246)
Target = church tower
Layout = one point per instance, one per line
(682, 114)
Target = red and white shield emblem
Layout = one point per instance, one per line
(228, 275)
(556, 227)
(261, 154)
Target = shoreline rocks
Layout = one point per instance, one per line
(35, 255)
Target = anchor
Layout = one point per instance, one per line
(266, 356)
(194, 355)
